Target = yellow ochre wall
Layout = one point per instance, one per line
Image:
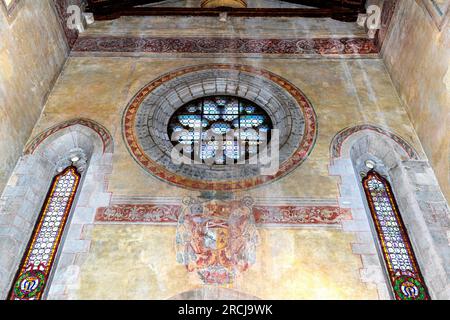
(139, 262)
(417, 55)
(343, 93)
(313, 262)
(32, 53)
(131, 261)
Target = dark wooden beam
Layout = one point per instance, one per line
(343, 10)
(117, 4)
(352, 4)
(342, 14)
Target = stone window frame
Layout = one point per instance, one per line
(23, 197)
(288, 108)
(424, 209)
(43, 269)
(414, 273)
(440, 20)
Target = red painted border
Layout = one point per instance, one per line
(300, 46)
(264, 215)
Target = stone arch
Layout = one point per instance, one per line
(347, 136)
(421, 203)
(22, 199)
(103, 133)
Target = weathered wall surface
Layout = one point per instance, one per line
(343, 92)
(417, 56)
(357, 91)
(32, 52)
(308, 260)
(295, 270)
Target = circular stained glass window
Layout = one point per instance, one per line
(220, 129)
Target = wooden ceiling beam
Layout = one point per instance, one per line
(341, 14)
(108, 10)
(352, 4)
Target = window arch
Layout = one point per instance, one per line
(34, 270)
(404, 274)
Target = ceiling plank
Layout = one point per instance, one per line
(109, 9)
(353, 4)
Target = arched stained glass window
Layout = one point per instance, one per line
(404, 273)
(35, 267)
(248, 123)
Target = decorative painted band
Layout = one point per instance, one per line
(316, 46)
(274, 215)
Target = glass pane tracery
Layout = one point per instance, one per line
(32, 277)
(221, 115)
(404, 273)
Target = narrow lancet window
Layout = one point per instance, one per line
(32, 277)
(404, 273)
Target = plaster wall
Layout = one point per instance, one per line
(295, 270)
(32, 52)
(417, 55)
(343, 92)
(311, 261)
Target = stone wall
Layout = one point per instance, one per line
(357, 91)
(306, 259)
(33, 50)
(417, 55)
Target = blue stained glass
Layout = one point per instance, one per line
(250, 135)
(229, 117)
(210, 108)
(232, 108)
(192, 108)
(221, 114)
(212, 117)
(208, 150)
(188, 148)
(177, 128)
(192, 121)
(252, 121)
(249, 109)
(221, 101)
(404, 272)
(220, 127)
(211, 111)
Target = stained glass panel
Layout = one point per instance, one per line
(221, 114)
(32, 277)
(404, 273)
